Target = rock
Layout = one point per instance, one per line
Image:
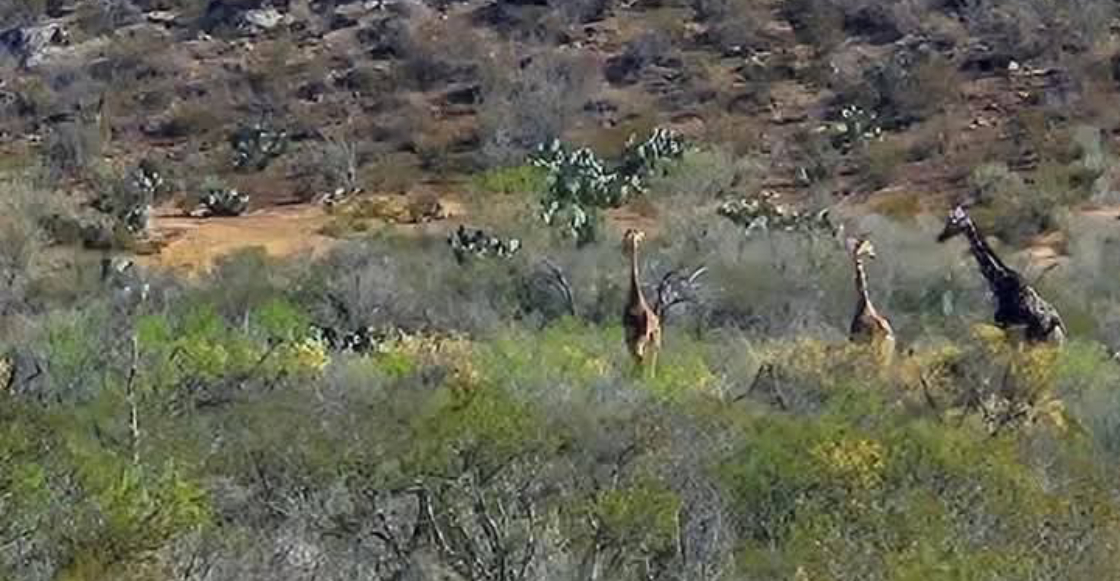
(265, 18)
(383, 38)
(163, 17)
(875, 23)
(31, 44)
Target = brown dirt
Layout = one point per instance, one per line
(191, 245)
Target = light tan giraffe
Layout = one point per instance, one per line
(868, 326)
(640, 322)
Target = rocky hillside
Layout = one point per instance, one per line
(231, 103)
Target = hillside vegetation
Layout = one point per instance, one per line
(399, 353)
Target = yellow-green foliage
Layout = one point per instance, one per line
(73, 347)
(452, 352)
(518, 179)
(208, 349)
(643, 514)
(566, 352)
(826, 363)
(302, 357)
(860, 471)
(490, 428)
(201, 345)
(855, 460)
(583, 356)
(892, 501)
(115, 510)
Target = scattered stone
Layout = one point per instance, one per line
(265, 19)
(165, 17)
(31, 44)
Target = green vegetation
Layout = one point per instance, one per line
(578, 183)
(490, 431)
(520, 180)
(457, 404)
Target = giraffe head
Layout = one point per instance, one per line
(632, 238)
(860, 247)
(956, 223)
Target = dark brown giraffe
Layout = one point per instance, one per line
(1018, 305)
(640, 322)
(868, 326)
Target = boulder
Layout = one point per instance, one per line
(264, 19)
(30, 44)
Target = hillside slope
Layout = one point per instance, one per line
(900, 108)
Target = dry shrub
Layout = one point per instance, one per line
(901, 206)
(1037, 131)
(529, 102)
(192, 119)
(937, 84)
(428, 62)
(881, 162)
(816, 22)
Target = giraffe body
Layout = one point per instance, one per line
(1018, 304)
(640, 322)
(868, 326)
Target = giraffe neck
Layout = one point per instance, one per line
(861, 283)
(635, 286)
(991, 267)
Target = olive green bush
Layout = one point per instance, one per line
(495, 430)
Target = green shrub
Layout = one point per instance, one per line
(519, 179)
(578, 183)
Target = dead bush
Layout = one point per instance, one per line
(106, 16)
(530, 102)
(646, 49)
(881, 162)
(816, 22)
(72, 148)
(581, 11)
(427, 63)
(23, 12)
(193, 119)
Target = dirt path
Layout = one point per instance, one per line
(1043, 252)
(193, 244)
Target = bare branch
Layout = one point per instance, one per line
(560, 282)
(675, 289)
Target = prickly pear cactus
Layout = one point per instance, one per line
(225, 202)
(472, 242)
(856, 126)
(579, 183)
(255, 146)
(765, 213)
(641, 158)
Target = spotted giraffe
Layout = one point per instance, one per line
(639, 320)
(1018, 304)
(868, 326)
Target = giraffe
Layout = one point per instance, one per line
(7, 373)
(641, 324)
(868, 326)
(1018, 305)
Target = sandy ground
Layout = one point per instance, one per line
(190, 246)
(193, 244)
